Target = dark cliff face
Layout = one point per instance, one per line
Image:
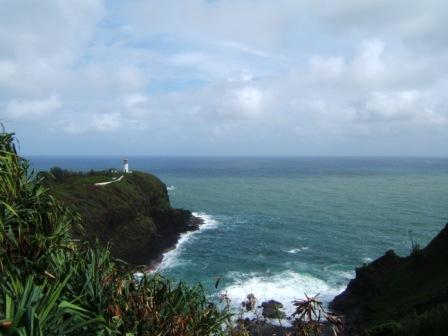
(133, 215)
(400, 295)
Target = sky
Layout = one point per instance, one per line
(225, 77)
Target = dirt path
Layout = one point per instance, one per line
(109, 182)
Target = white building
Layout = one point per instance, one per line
(125, 166)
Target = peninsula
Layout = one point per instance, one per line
(133, 214)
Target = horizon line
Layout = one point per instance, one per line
(241, 156)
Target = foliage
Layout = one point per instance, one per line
(52, 285)
(391, 328)
(137, 207)
(39, 309)
(415, 247)
(310, 316)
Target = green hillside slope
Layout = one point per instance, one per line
(134, 214)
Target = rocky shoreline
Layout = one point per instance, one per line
(170, 242)
(396, 295)
(391, 296)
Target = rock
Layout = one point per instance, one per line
(273, 309)
(399, 293)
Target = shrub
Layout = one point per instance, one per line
(51, 285)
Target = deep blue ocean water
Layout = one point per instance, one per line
(281, 227)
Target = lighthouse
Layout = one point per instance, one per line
(125, 166)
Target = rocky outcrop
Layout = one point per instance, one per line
(400, 295)
(133, 216)
(272, 310)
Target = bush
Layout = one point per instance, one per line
(391, 328)
(51, 285)
(434, 321)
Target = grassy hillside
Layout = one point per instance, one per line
(133, 215)
(400, 296)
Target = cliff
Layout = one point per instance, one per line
(400, 295)
(133, 215)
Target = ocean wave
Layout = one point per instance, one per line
(297, 250)
(366, 260)
(170, 188)
(209, 221)
(171, 258)
(283, 287)
(345, 275)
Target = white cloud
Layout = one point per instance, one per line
(53, 30)
(32, 109)
(327, 68)
(249, 100)
(103, 123)
(136, 105)
(414, 22)
(109, 78)
(400, 106)
(290, 68)
(39, 41)
(255, 24)
(370, 62)
(225, 103)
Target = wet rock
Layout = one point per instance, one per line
(273, 310)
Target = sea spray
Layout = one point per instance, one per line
(283, 287)
(171, 258)
(297, 250)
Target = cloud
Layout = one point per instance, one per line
(327, 68)
(32, 109)
(136, 105)
(40, 41)
(245, 22)
(288, 75)
(110, 79)
(249, 100)
(238, 102)
(414, 22)
(397, 106)
(103, 123)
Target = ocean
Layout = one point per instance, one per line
(282, 227)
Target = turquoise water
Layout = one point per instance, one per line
(281, 227)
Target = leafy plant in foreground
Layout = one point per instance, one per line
(33, 309)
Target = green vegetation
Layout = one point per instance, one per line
(50, 285)
(133, 216)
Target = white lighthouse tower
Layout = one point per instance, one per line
(125, 166)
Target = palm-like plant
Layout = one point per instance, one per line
(32, 223)
(50, 285)
(38, 309)
(310, 315)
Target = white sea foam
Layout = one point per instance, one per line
(170, 188)
(171, 258)
(209, 221)
(345, 275)
(367, 260)
(283, 287)
(297, 250)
